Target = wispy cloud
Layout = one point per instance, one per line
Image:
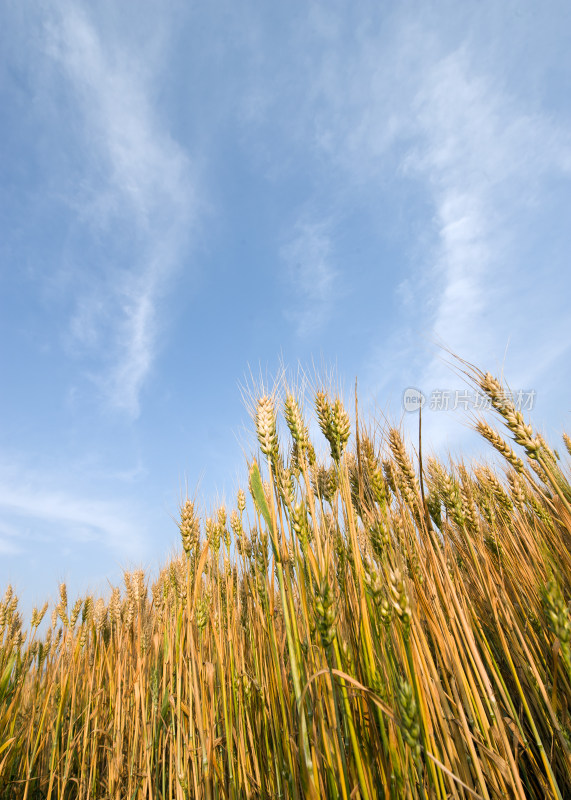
(445, 109)
(136, 191)
(486, 162)
(8, 536)
(310, 274)
(77, 518)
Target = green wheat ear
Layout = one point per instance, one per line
(6, 675)
(258, 493)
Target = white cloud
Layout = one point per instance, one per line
(8, 548)
(310, 273)
(8, 534)
(487, 163)
(445, 109)
(78, 518)
(136, 190)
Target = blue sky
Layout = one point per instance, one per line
(194, 193)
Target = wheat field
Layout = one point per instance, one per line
(369, 624)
